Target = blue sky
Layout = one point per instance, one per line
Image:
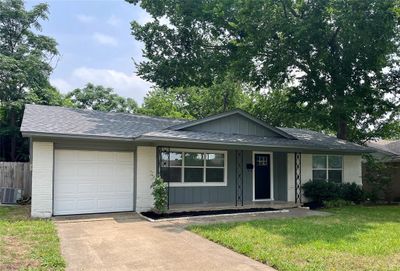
(95, 44)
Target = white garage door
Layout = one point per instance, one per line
(92, 182)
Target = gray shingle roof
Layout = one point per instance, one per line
(389, 148)
(307, 140)
(317, 138)
(78, 122)
(60, 121)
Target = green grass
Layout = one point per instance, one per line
(28, 244)
(352, 238)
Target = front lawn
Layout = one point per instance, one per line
(352, 238)
(27, 244)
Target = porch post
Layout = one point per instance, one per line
(297, 177)
(239, 177)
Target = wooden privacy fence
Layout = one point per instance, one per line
(16, 175)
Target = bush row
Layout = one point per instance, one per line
(321, 191)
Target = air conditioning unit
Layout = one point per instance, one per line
(10, 195)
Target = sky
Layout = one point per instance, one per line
(95, 44)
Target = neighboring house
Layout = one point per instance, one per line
(388, 151)
(91, 162)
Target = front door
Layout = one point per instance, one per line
(262, 176)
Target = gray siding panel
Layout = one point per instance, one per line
(227, 194)
(234, 124)
(247, 177)
(280, 176)
(219, 194)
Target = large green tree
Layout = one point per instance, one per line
(332, 53)
(196, 102)
(100, 98)
(25, 57)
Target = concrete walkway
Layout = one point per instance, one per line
(127, 242)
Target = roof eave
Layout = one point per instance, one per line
(74, 136)
(169, 139)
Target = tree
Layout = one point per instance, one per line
(333, 53)
(25, 58)
(100, 98)
(275, 109)
(196, 102)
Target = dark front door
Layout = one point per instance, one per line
(262, 178)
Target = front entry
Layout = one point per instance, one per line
(262, 176)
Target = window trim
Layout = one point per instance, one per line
(327, 168)
(182, 183)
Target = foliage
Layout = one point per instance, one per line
(163, 103)
(275, 109)
(332, 53)
(100, 98)
(319, 191)
(160, 194)
(25, 57)
(28, 244)
(337, 203)
(351, 238)
(196, 102)
(377, 178)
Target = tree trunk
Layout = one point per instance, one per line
(342, 132)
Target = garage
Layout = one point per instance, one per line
(92, 182)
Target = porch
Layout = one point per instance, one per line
(240, 178)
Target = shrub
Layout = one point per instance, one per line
(160, 194)
(377, 178)
(351, 192)
(337, 203)
(319, 191)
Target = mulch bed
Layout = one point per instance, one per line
(313, 205)
(157, 216)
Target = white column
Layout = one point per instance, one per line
(290, 178)
(146, 171)
(42, 179)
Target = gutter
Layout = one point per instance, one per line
(151, 139)
(74, 136)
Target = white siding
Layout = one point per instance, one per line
(42, 179)
(352, 169)
(146, 170)
(290, 174)
(306, 168)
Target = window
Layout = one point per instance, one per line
(328, 168)
(194, 167)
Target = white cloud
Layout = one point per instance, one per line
(105, 39)
(113, 21)
(85, 18)
(124, 84)
(143, 17)
(61, 84)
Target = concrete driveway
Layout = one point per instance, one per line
(127, 242)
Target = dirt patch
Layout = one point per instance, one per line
(15, 255)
